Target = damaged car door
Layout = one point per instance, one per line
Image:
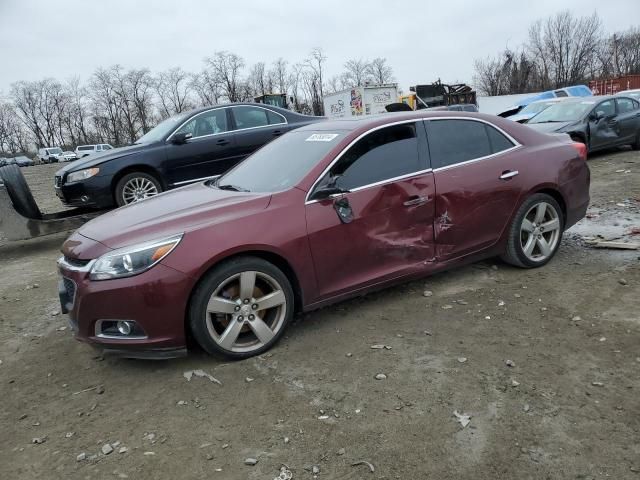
(628, 112)
(370, 215)
(478, 181)
(604, 128)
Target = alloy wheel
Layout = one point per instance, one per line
(138, 188)
(246, 311)
(540, 232)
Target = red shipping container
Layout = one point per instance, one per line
(611, 86)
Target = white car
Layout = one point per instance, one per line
(68, 156)
(50, 155)
(635, 93)
(84, 150)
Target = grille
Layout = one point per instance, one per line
(76, 262)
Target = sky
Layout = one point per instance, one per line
(423, 41)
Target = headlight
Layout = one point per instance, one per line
(82, 174)
(129, 261)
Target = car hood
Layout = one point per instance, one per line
(521, 117)
(549, 127)
(170, 213)
(98, 158)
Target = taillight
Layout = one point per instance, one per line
(581, 148)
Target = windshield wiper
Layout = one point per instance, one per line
(234, 188)
(551, 121)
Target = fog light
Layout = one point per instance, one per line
(124, 327)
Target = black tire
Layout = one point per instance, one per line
(211, 281)
(636, 145)
(19, 192)
(118, 192)
(514, 253)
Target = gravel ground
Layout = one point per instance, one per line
(545, 363)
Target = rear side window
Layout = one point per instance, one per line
(456, 141)
(625, 105)
(497, 140)
(381, 155)
(275, 118)
(250, 117)
(85, 147)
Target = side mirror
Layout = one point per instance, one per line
(180, 138)
(597, 116)
(326, 192)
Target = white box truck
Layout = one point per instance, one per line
(357, 101)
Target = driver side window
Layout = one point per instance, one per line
(381, 155)
(206, 123)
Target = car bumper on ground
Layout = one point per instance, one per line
(154, 304)
(94, 192)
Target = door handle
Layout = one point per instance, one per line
(277, 133)
(508, 174)
(222, 142)
(415, 200)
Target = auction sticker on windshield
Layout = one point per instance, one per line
(321, 137)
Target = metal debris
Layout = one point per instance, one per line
(364, 462)
(462, 359)
(200, 373)
(427, 293)
(250, 461)
(509, 363)
(463, 418)
(380, 376)
(617, 245)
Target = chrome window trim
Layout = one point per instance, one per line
(262, 126)
(184, 182)
(353, 142)
(194, 116)
(67, 266)
(377, 184)
(515, 143)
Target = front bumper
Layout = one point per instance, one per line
(94, 192)
(155, 300)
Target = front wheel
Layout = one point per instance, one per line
(536, 231)
(241, 308)
(136, 186)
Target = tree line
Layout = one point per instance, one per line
(560, 51)
(117, 105)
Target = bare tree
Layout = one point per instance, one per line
(258, 81)
(279, 75)
(379, 71)
(313, 79)
(206, 86)
(173, 88)
(357, 72)
(561, 46)
(227, 68)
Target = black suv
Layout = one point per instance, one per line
(192, 146)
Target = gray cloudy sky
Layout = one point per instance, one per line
(64, 38)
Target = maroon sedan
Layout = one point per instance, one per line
(326, 212)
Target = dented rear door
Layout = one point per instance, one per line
(478, 180)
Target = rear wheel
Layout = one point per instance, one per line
(136, 186)
(19, 192)
(241, 308)
(536, 231)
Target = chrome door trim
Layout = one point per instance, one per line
(516, 145)
(508, 175)
(183, 182)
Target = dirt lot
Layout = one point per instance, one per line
(567, 408)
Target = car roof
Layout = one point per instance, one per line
(370, 121)
(632, 90)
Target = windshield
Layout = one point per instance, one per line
(282, 163)
(164, 128)
(55, 150)
(564, 112)
(536, 107)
